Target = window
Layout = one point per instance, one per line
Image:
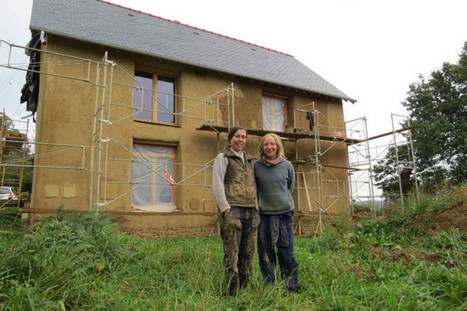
(153, 170)
(165, 99)
(154, 98)
(274, 113)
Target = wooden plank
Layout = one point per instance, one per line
(224, 129)
(306, 192)
(119, 213)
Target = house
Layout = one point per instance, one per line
(132, 108)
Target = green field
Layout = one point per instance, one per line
(81, 262)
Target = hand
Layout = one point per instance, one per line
(226, 212)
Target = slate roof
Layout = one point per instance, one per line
(112, 25)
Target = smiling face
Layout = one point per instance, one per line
(238, 140)
(270, 148)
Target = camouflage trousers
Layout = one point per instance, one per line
(239, 229)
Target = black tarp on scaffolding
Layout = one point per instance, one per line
(30, 90)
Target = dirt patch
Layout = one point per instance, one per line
(432, 221)
(398, 254)
(446, 220)
(395, 254)
(405, 256)
(432, 257)
(455, 217)
(450, 219)
(359, 272)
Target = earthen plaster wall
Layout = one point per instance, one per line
(68, 109)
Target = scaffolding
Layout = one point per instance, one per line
(13, 153)
(361, 187)
(96, 158)
(314, 175)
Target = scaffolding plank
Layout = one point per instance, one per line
(300, 162)
(224, 129)
(395, 131)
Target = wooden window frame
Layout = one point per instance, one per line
(155, 104)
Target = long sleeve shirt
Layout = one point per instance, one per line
(274, 186)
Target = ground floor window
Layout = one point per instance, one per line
(153, 173)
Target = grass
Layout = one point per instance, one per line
(81, 262)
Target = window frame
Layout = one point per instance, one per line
(155, 76)
(154, 185)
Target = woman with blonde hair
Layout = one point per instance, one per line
(275, 179)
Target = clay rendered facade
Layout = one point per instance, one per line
(134, 133)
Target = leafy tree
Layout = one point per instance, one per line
(7, 124)
(438, 106)
(438, 110)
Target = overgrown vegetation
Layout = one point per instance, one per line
(81, 262)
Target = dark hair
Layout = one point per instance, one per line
(234, 130)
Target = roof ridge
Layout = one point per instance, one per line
(194, 27)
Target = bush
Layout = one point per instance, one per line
(25, 196)
(10, 216)
(54, 255)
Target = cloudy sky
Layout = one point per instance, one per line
(372, 50)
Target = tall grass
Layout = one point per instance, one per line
(81, 262)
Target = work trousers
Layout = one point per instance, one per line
(276, 232)
(239, 230)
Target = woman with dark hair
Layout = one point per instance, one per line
(234, 188)
(275, 179)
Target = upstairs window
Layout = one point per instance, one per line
(274, 113)
(154, 98)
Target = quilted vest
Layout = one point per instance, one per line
(239, 181)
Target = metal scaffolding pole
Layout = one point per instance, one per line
(413, 160)
(398, 166)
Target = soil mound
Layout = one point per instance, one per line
(447, 220)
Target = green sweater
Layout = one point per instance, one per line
(274, 186)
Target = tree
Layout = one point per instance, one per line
(387, 173)
(438, 106)
(438, 110)
(7, 124)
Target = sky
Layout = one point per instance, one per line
(371, 50)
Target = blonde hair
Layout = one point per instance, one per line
(277, 139)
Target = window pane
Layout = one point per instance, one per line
(274, 113)
(165, 99)
(152, 167)
(142, 183)
(143, 96)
